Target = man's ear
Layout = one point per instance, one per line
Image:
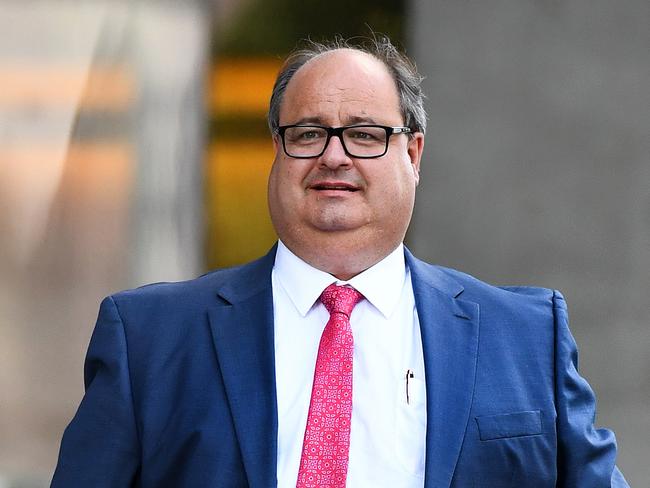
(414, 149)
(276, 142)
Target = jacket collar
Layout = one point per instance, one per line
(241, 323)
(450, 328)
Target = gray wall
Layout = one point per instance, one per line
(537, 171)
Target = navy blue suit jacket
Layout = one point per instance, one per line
(180, 388)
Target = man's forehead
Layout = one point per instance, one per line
(344, 60)
(344, 53)
(340, 78)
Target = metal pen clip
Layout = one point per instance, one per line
(409, 375)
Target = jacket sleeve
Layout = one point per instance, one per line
(100, 447)
(586, 455)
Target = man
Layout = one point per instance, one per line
(403, 374)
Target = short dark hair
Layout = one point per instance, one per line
(404, 72)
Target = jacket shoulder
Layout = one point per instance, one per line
(197, 292)
(474, 285)
(449, 279)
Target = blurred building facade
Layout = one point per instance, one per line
(134, 148)
(102, 127)
(537, 172)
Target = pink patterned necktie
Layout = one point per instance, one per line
(325, 449)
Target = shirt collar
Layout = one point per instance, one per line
(380, 284)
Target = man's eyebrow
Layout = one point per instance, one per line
(353, 120)
(309, 120)
(356, 119)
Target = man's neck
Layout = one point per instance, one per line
(344, 260)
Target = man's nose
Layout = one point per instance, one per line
(334, 155)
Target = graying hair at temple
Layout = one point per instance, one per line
(403, 70)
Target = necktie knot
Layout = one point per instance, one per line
(340, 299)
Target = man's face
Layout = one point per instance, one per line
(363, 205)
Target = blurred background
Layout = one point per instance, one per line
(134, 148)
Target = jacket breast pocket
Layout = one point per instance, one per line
(515, 424)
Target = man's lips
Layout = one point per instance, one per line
(333, 186)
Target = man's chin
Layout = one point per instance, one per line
(327, 222)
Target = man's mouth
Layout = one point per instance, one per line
(334, 186)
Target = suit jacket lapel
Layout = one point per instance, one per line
(449, 329)
(242, 331)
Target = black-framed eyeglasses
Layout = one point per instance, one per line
(359, 141)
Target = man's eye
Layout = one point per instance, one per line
(363, 135)
(304, 135)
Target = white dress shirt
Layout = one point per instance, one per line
(387, 437)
